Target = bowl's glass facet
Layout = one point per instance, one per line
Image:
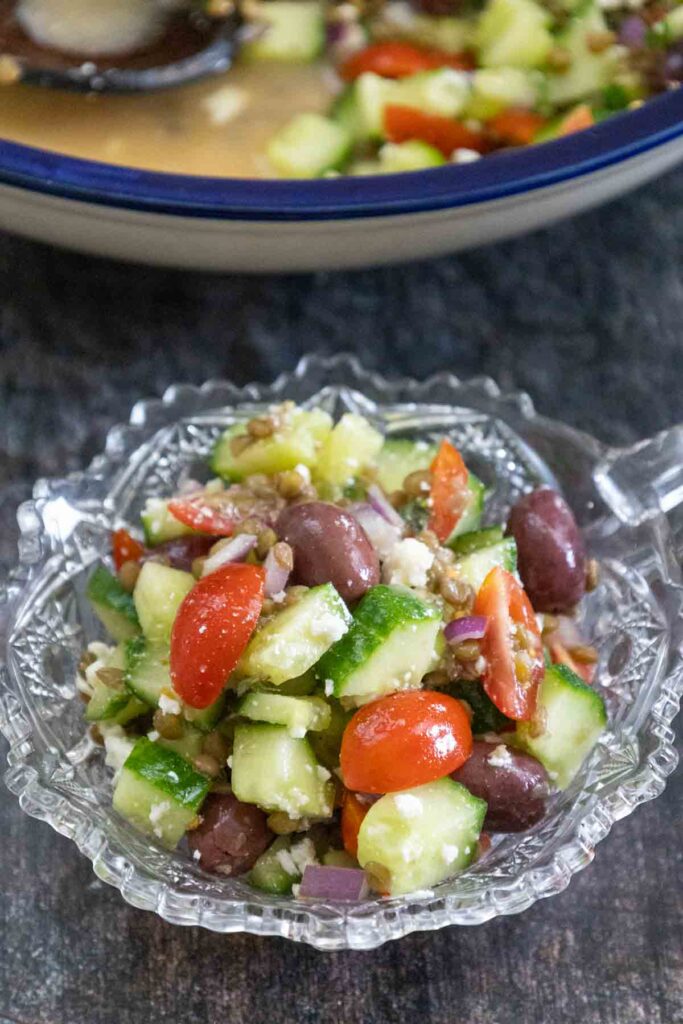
(635, 618)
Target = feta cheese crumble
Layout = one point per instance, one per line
(449, 853)
(408, 563)
(328, 627)
(408, 805)
(500, 757)
(157, 811)
(225, 104)
(169, 705)
(117, 746)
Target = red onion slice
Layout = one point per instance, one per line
(632, 32)
(276, 575)
(236, 550)
(382, 534)
(321, 882)
(469, 627)
(381, 504)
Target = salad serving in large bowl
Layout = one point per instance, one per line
(395, 130)
(627, 503)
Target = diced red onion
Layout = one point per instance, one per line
(236, 550)
(323, 882)
(381, 504)
(276, 575)
(382, 534)
(345, 38)
(469, 627)
(632, 32)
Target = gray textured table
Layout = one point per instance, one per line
(587, 317)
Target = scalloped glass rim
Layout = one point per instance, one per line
(64, 528)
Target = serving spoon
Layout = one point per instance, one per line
(193, 46)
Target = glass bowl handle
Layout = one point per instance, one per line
(645, 480)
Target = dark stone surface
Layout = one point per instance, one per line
(587, 317)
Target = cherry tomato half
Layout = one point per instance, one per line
(511, 647)
(404, 740)
(397, 59)
(211, 630)
(449, 492)
(444, 133)
(209, 513)
(125, 548)
(353, 812)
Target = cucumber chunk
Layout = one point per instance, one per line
(423, 835)
(298, 714)
(189, 745)
(294, 31)
(282, 865)
(158, 594)
(513, 33)
(444, 33)
(390, 646)
(397, 157)
(326, 744)
(485, 715)
(475, 567)
(296, 442)
(399, 457)
(443, 92)
(148, 675)
(475, 540)
(113, 605)
(112, 704)
(589, 72)
(159, 792)
(296, 638)
(299, 686)
(158, 523)
(496, 89)
(574, 716)
(309, 146)
(279, 772)
(351, 446)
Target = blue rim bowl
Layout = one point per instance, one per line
(509, 173)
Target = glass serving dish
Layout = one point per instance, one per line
(629, 503)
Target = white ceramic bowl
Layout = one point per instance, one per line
(272, 226)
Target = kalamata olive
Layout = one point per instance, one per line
(514, 785)
(551, 557)
(439, 7)
(331, 546)
(232, 835)
(181, 552)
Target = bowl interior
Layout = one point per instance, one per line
(60, 774)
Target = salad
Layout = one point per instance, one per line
(325, 674)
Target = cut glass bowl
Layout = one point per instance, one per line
(629, 503)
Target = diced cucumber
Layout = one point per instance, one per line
(485, 715)
(159, 792)
(513, 33)
(297, 714)
(474, 540)
(397, 157)
(471, 517)
(112, 704)
(327, 744)
(423, 835)
(398, 458)
(390, 646)
(296, 442)
(496, 89)
(282, 865)
(308, 146)
(344, 111)
(278, 772)
(158, 523)
(573, 716)
(159, 592)
(294, 30)
(588, 72)
(351, 446)
(296, 638)
(443, 92)
(113, 605)
(148, 676)
(474, 568)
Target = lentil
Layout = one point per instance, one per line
(559, 59)
(217, 746)
(290, 484)
(598, 42)
(417, 483)
(260, 427)
(171, 727)
(112, 677)
(379, 877)
(282, 825)
(283, 555)
(585, 654)
(239, 444)
(207, 765)
(265, 541)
